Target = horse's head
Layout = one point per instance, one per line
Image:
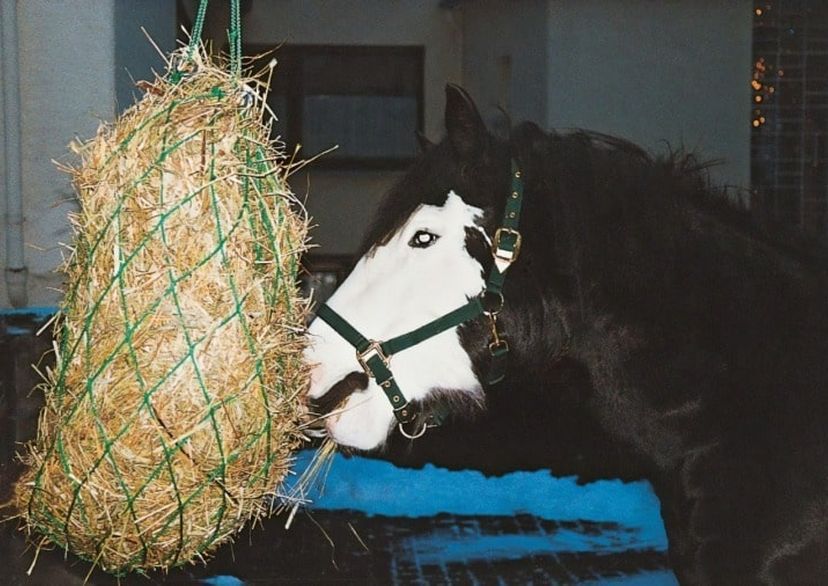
(426, 255)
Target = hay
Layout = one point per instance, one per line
(175, 403)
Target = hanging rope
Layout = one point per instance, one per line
(233, 35)
(195, 34)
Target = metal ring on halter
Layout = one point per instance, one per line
(419, 434)
(497, 304)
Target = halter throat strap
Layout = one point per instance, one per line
(374, 356)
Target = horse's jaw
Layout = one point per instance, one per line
(364, 418)
(363, 422)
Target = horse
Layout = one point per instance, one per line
(654, 325)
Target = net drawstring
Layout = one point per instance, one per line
(195, 35)
(233, 36)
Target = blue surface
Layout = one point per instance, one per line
(38, 315)
(376, 487)
(222, 581)
(436, 549)
(15, 331)
(628, 512)
(42, 312)
(661, 578)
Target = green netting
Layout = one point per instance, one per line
(174, 405)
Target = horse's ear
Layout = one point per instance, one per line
(423, 142)
(464, 126)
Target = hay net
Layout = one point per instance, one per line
(175, 403)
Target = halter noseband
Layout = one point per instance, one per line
(374, 356)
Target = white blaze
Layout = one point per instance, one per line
(394, 289)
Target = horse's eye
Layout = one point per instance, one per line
(422, 239)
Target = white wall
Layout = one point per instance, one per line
(69, 64)
(341, 202)
(66, 67)
(656, 70)
(135, 57)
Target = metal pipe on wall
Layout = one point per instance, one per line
(16, 272)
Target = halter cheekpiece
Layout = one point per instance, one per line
(375, 356)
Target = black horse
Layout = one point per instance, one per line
(656, 331)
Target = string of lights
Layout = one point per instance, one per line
(789, 111)
(764, 77)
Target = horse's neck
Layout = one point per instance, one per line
(620, 402)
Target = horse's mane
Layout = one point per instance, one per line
(637, 225)
(608, 171)
(613, 173)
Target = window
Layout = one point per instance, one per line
(321, 275)
(789, 144)
(366, 100)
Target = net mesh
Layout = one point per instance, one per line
(174, 406)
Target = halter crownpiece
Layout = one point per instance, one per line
(507, 240)
(375, 356)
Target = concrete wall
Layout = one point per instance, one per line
(341, 201)
(73, 56)
(135, 57)
(504, 59)
(656, 70)
(647, 70)
(66, 65)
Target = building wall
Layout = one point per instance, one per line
(72, 57)
(135, 56)
(504, 61)
(65, 87)
(648, 70)
(655, 71)
(341, 202)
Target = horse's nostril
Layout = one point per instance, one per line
(355, 381)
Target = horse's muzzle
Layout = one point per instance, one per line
(322, 406)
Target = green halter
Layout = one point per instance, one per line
(374, 356)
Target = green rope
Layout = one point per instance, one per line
(195, 34)
(233, 37)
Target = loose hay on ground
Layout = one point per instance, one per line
(175, 403)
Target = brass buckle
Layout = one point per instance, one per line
(499, 253)
(375, 349)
